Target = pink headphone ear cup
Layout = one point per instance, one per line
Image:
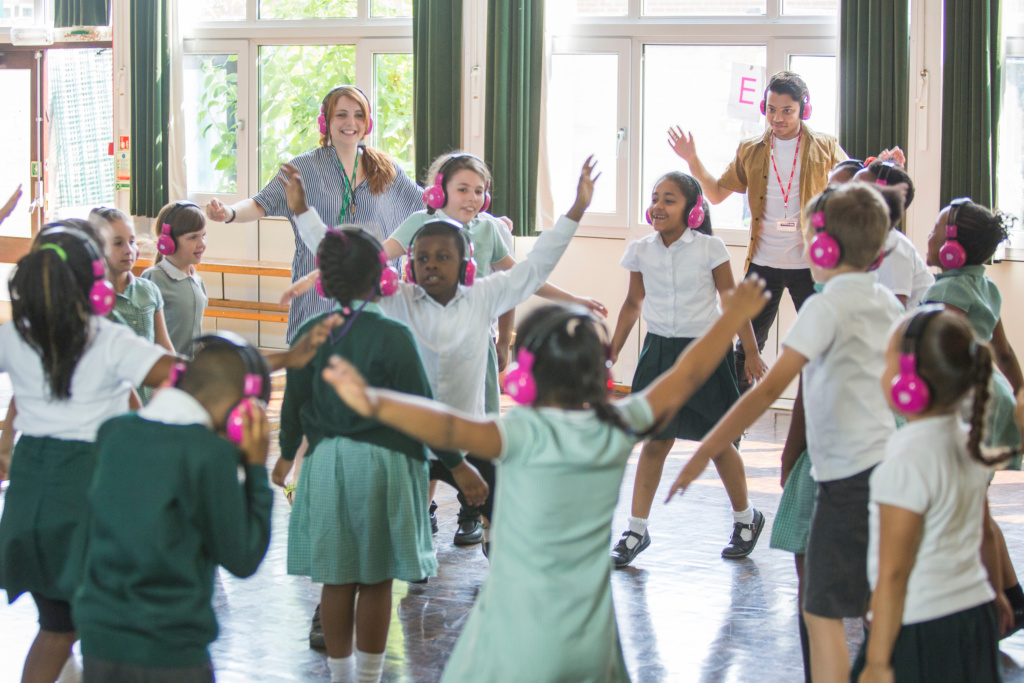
(825, 251)
(519, 382)
(910, 392)
(369, 124)
(647, 214)
(234, 424)
(388, 281)
(410, 274)
(434, 196)
(808, 108)
(102, 296)
(696, 216)
(487, 200)
(764, 111)
(165, 243)
(321, 123)
(470, 272)
(952, 254)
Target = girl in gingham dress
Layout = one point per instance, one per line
(562, 458)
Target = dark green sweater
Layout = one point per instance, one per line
(166, 508)
(384, 352)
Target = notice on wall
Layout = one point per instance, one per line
(123, 164)
(746, 88)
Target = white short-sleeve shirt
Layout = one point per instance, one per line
(928, 471)
(680, 298)
(843, 332)
(903, 270)
(114, 361)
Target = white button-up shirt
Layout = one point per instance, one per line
(453, 339)
(843, 333)
(680, 297)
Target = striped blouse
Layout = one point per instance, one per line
(322, 178)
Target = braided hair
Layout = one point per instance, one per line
(570, 365)
(980, 231)
(350, 266)
(50, 300)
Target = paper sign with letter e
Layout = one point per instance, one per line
(746, 89)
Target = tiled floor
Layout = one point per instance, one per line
(684, 613)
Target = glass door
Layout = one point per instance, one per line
(21, 150)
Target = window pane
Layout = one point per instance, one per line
(293, 82)
(307, 9)
(807, 7)
(211, 104)
(582, 120)
(701, 108)
(213, 10)
(819, 73)
(569, 9)
(391, 8)
(16, 148)
(1010, 171)
(81, 129)
(392, 107)
(669, 8)
(17, 13)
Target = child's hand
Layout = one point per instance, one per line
(585, 190)
(305, 348)
(300, 287)
(754, 367)
(747, 299)
(255, 433)
(692, 470)
(293, 189)
(281, 470)
(216, 210)
(876, 673)
(472, 485)
(1004, 613)
(350, 385)
(895, 154)
(682, 144)
(593, 304)
(7, 208)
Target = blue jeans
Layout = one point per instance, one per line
(800, 285)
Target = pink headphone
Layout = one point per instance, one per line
(389, 277)
(695, 217)
(952, 254)
(910, 392)
(256, 384)
(805, 106)
(436, 196)
(884, 171)
(321, 120)
(467, 271)
(102, 294)
(825, 249)
(520, 383)
(166, 244)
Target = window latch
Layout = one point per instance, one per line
(619, 138)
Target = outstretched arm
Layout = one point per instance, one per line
(244, 211)
(682, 143)
(433, 423)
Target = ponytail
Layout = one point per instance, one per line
(982, 372)
(51, 311)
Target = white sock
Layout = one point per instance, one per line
(369, 667)
(745, 517)
(341, 669)
(637, 526)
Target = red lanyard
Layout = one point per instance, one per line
(786, 193)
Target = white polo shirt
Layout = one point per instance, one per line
(843, 332)
(115, 360)
(680, 297)
(928, 471)
(903, 270)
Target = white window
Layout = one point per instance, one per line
(620, 72)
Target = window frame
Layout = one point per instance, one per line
(1013, 47)
(782, 36)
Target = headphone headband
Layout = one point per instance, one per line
(884, 171)
(918, 324)
(467, 272)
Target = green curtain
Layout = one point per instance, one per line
(874, 65)
(971, 89)
(437, 80)
(515, 59)
(67, 13)
(150, 105)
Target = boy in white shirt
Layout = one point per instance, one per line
(838, 342)
(451, 319)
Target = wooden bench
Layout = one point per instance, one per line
(236, 308)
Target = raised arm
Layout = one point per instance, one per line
(433, 423)
(682, 143)
(244, 211)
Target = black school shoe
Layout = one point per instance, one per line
(471, 528)
(739, 548)
(433, 517)
(316, 632)
(623, 555)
